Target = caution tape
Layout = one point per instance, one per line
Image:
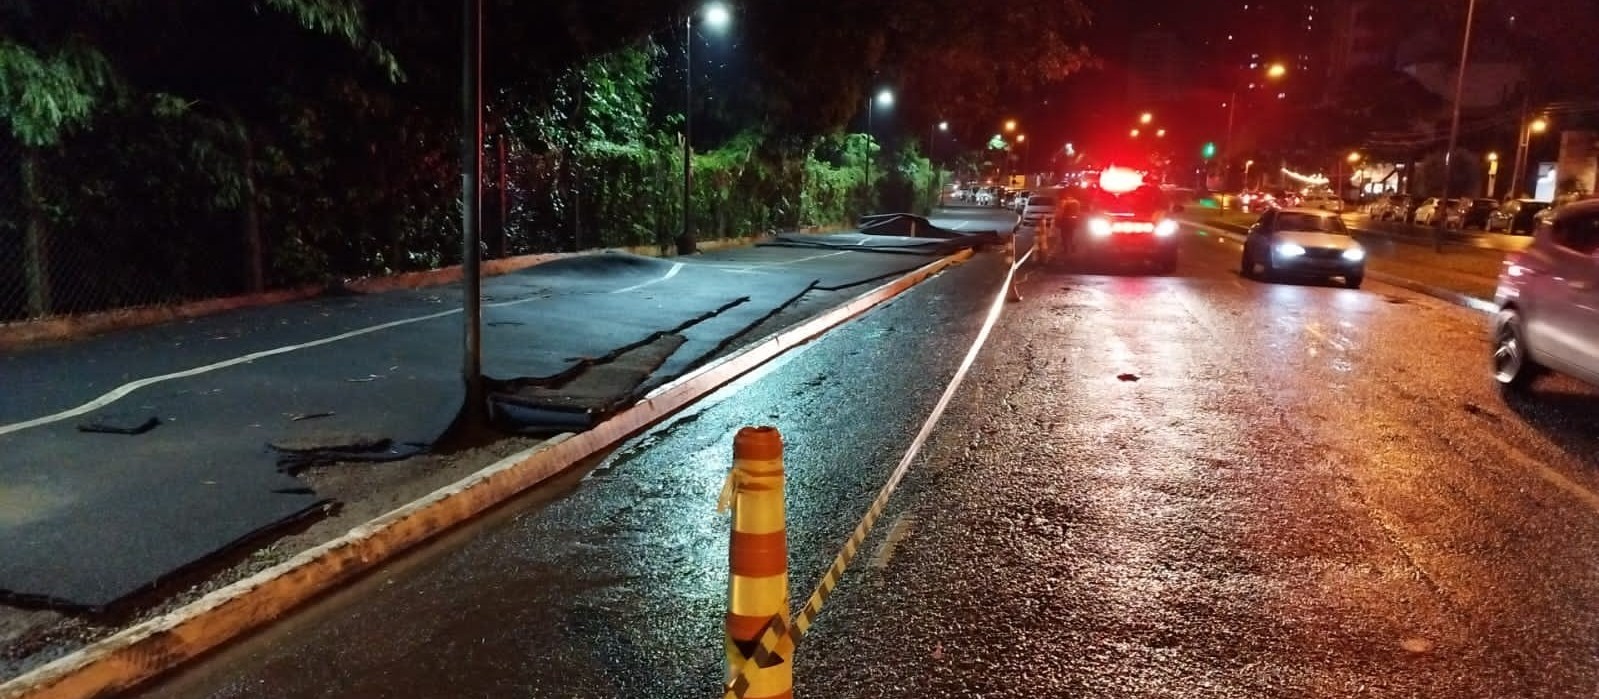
(779, 639)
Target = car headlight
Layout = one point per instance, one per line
(1355, 254)
(1099, 227)
(1166, 228)
(1290, 250)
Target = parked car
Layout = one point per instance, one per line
(1434, 211)
(1516, 216)
(1394, 207)
(1019, 202)
(1303, 242)
(1548, 299)
(1476, 213)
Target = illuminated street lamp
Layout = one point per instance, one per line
(1133, 133)
(1493, 172)
(885, 99)
(1146, 118)
(1353, 158)
(1274, 71)
(1010, 125)
(716, 16)
(1518, 174)
(1160, 134)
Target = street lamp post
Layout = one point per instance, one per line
(886, 98)
(1247, 164)
(1518, 173)
(475, 407)
(716, 16)
(1454, 123)
(1274, 71)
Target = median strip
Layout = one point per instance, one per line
(154, 647)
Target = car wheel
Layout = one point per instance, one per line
(1267, 272)
(1514, 367)
(1353, 281)
(1246, 267)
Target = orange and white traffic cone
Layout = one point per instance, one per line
(758, 555)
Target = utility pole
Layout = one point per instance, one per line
(1454, 125)
(475, 407)
(1518, 170)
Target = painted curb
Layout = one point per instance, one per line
(144, 651)
(1463, 300)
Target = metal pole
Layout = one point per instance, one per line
(1227, 145)
(685, 239)
(1454, 125)
(868, 203)
(505, 201)
(1518, 171)
(472, 206)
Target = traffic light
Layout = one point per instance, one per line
(1209, 151)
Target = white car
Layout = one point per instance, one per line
(985, 197)
(1038, 207)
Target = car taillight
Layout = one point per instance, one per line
(1100, 228)
(1166, 228)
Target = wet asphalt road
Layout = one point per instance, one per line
(1307, 491)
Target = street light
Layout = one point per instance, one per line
(1160, 134)
(1454, 123)
(1133, 133)
(1146, 118)
(1247, 164)
(1010, 124)
(1493, 172)
(884, 97)
(716, 16)
(1274, 71)
(1518, 174)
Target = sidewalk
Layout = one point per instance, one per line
(129, 458)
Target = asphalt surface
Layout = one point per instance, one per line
(1183, 486)
(245, 399)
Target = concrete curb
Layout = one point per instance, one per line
(19, 334)
(1454, 297)
(149, 649)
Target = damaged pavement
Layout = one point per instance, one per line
(128, 458)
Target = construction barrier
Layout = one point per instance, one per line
(758, 564)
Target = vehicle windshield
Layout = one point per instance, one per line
(1295, 221)
(1040, 200)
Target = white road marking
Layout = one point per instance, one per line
(124, 390)
(676, 267)
(1542, 470)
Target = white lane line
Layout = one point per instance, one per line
(900, 529)
(676, 267)
(1549, 475)
(122, 391)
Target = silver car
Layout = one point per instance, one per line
(1305, 243)
(1548, 300)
